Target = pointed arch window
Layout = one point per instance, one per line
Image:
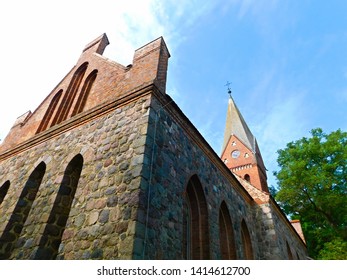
(186, 230)
(196, 230)
(246, 241)
(52, 235)
(50, 111)
(82, 98)
(70, 94)
(3, 190)
(226, 234)
(21, 211)
(290, 255)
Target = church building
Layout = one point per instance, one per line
(109, 167)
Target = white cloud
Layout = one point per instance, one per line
(285, 120)
(256, 8)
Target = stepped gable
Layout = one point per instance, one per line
(93, 81)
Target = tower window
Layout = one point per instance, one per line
(247, 178)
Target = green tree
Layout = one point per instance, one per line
(312, 187)
(334, 250)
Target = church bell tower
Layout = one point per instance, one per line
(240, 151)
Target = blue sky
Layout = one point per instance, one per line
(286, 59)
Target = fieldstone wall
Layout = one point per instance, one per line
(102, 218)
(173, 158)
(127, 199)
(274, 233)
(287, 237)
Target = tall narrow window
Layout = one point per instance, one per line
(290, 255)
(51, 238)
(246, 242)
(69, 96)
(50, 111)
(196, 231)
(226, 234)
(186, 230)
(20, 213)
(3, 190)
(82, 98)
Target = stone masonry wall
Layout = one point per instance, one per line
(102, 221)
(274, 234)
(129, 201)
(173, 158)
(286, 234)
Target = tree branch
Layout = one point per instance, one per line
(318, 209)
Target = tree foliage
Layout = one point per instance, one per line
(312, 187)
(334, 250)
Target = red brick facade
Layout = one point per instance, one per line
(242, 161)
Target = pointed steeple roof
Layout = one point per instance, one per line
(237, 126)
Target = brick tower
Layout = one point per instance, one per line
(240, 150)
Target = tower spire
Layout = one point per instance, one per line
(240, 151)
